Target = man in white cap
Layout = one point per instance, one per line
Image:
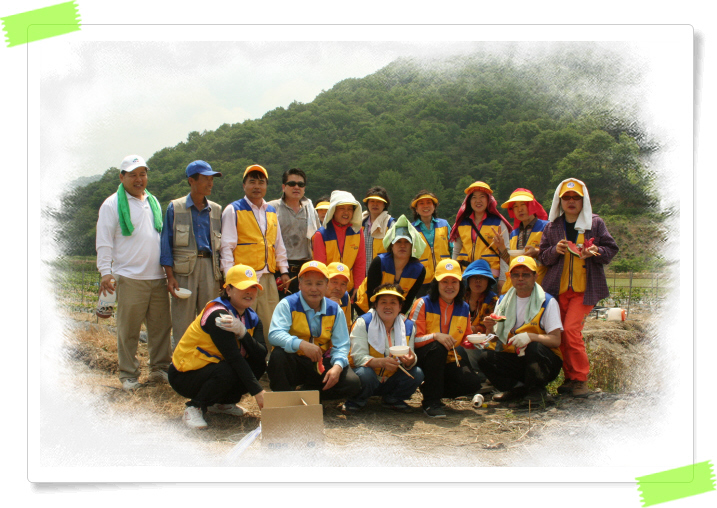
(128, 250)
(251, 235)
(310, 340)
(191, 239)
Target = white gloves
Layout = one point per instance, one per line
(520, 341)
(231, 324)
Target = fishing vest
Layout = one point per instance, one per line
(410, 274)
(477, 249)
(184, 248)
(441, 250)
(534, 240)
(254, 248)
(347, 254)
(375, 354)
(574, 272)
(458, 325)
(346, 307)
(196, 349)
(534, 326)
(300, 324)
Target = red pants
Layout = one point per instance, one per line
(573, 314)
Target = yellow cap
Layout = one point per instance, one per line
(479, 186)
(571, 185)
(448, 268)
(518, 196)
(241, 277)
(314, 266)
(387, 291)
(256, 167)
(322, 205)
(525, 261)
(423, 196)
(337, 269)
(378, 198)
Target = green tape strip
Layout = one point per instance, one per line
(41, 23)
(676, 483)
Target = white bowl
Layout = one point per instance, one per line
(515, 253)
(477, 338)
(399, 350)
(182, 293)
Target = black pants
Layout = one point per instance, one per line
(441, 379)
(216, 383)
(536, 369)
(289, 370)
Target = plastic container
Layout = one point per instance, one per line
(616, 314)
(106, 302)
(477, 400)
(399, 350)
(182, 293)
(477, 339)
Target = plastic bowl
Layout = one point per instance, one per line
(477, 338)
(515, 253)
(399, 350)
(182, 293)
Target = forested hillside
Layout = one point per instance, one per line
(411, 126)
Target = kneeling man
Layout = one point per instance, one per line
(525, 356)
(310, 340)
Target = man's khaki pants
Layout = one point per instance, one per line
(266, 302)
(203, 287)
(137, 301)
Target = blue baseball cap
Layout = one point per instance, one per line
(201, 168)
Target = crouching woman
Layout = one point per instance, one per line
(381, 373)
(222, 354)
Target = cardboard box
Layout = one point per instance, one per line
(292, 420)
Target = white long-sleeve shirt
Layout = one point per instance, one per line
(135, 256)
(230, 236)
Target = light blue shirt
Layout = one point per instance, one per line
(281, 323)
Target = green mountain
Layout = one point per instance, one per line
(437, 125)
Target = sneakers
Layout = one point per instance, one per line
(580, 389)
(350, 408)
(130, 384)
(158, 376)
(397, 405)
(226, 409)
(567, 387)
(193, 418)
(538, 396)
(434, 411)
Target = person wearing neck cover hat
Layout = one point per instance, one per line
(578, 280)
(435, 233)
(191, 241)
(523, 355)
(442, 320)
(222, 354)
(481, 232)
(128, 250)
(381, 373)
(341, 240)
(376, 222)
(400, 265)
(529, 221)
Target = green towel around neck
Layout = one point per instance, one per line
(507, 307)
(125, 219)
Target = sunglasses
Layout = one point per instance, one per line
(572, 198)
(294, 184)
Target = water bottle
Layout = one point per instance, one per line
(106, 302)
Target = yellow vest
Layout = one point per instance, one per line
(409, 275)
(196, 349)
(486, 308)
(458, 326)
(441, 250)
(534, 240)
(409, 330)
(300, 325)
(574, 272)
(255, 248)
(477, 249)
(352, 242)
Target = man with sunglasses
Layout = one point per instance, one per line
(298, 221)
(576, 279)
(524, 354)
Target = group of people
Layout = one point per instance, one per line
(354, 303)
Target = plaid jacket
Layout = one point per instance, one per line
(596, 287)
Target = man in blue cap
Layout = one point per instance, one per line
(191, 240)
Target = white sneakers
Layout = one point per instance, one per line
(193, 418)
(158, 376)
(130, 384)
(226, 409)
